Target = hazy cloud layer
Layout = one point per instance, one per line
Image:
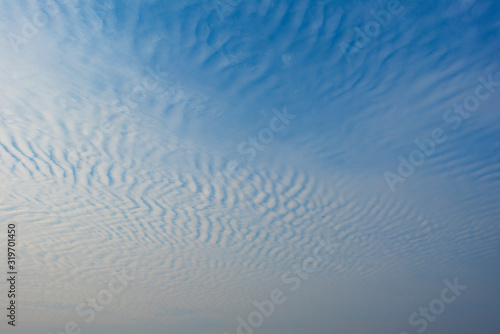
(104, 174)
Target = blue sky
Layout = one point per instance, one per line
(208, 149)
